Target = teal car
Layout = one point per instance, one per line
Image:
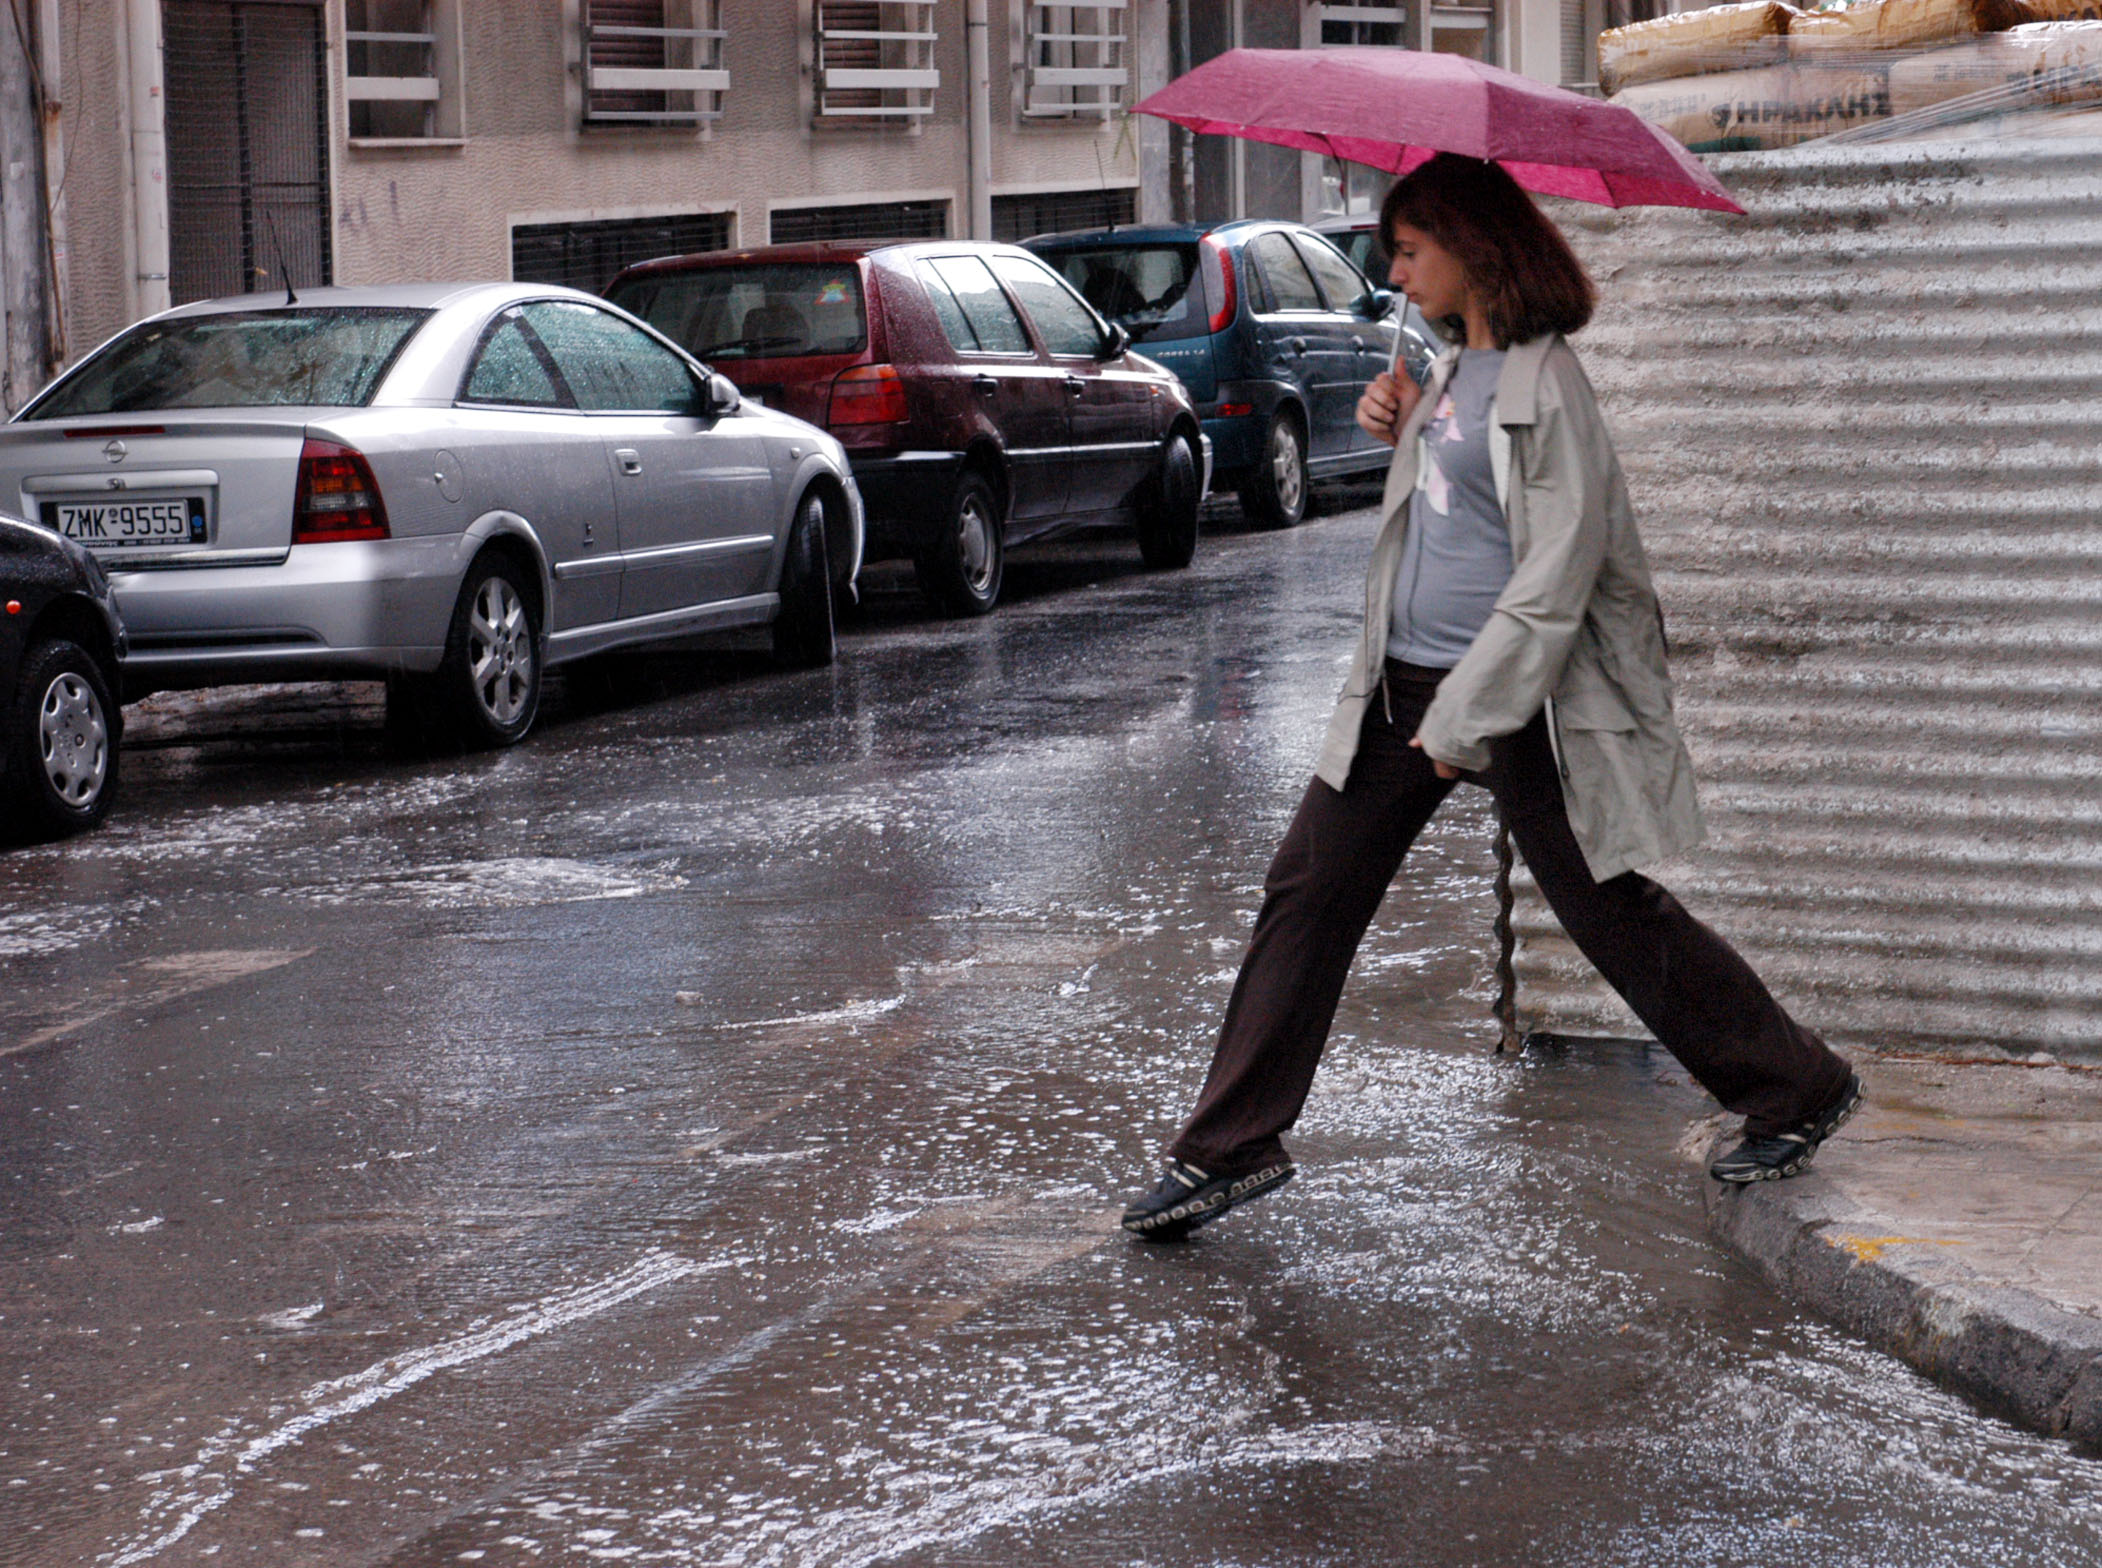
(1274, 331)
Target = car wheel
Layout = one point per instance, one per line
(489, 682)
(803, 630)
(1274, 495)
(1168, 521)
(61, 743)
(961, 567)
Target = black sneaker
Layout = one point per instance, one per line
(1769, 1159)
(1188, 1197)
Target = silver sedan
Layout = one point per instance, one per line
(448, 486)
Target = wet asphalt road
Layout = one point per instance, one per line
(694, 1137)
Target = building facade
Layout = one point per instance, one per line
(192, 148)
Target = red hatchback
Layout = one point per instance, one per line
(981, 400)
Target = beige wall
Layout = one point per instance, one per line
(447, 211)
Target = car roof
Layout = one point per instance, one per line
(810, 253)
(400, 296)
(1160, 233)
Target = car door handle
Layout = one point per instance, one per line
(629, 459)
(1358, 344)
(984, 384)
(1299, 345)
(1075, 385)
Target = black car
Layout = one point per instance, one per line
(60, 642)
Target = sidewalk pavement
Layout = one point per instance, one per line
(1955, 1222)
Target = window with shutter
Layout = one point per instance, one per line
(401, 69)
(875, 59)
(1449, 26)
(1076, 58)
(653, 62)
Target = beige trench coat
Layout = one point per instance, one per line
(1577, 629)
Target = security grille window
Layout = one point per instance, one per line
(1370, 23)
(875, 59)
(247, 126)
(890, 220)
(1077, 61)
(1448, 26)
(589, 255)
(653, 62)
(1057, 212)
(400, 63)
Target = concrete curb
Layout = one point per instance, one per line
(2021, 1357)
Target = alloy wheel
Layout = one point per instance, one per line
(1286, 471)
(500, 650)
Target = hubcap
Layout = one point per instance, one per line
(1284, 466)
(73, 740)
(500, 650)
(974, 545)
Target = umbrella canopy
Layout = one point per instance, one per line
(1395, 108)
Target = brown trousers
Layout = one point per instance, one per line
(1343, 849)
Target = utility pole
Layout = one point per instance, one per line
(978, 95)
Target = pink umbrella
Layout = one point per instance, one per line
(1394, 108)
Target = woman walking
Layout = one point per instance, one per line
(1512, 639)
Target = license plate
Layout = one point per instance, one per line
(130, 523)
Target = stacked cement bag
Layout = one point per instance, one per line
(2046, 62)
(1767, 75)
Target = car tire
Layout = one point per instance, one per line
(961, 567)
(61, 742)
(1168, 520)
(804, 629)
(1274, 493)
(486, 692)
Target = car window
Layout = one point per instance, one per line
(328, 357)
(610, 365)
(1340, 281)
(757, 312)
(1289, 286)
(1062, 318)
(510, 367)
(1153, 291)
(995, 328)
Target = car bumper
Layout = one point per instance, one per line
(1236, 441)
(351, 610)
(902, 496)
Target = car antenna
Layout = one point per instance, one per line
(283, 270)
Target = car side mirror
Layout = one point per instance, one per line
(1377, 305)
(1117, 342)
(718, 396)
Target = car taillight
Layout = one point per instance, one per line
(1218, 282)
(338, 497)
(868, 395)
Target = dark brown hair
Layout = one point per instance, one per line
(1516, 259)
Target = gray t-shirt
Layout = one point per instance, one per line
(1457, 557)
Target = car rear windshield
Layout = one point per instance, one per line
(1152, 291)
(326, 357)
(766, 312)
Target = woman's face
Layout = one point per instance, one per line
(1429, 274)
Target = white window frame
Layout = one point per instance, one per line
(703, 81)
(438, 89)
(1419, 19)
(1076, 57)
(907, 22)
